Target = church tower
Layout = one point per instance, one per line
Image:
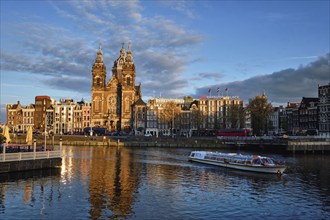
(124, 71)
(99, 74)
(113, 102)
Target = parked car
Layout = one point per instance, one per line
(148, 135)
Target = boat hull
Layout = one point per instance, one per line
(277, 169)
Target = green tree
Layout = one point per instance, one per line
(260, 111)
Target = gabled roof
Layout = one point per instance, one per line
(195, 102)
(138, 89)
(306, 102)
(140, 102)
(14, 106)
(42, 97)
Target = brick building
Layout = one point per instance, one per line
(113, 101)
(324, 110)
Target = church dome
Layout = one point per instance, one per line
(129, 57)
(99, 57)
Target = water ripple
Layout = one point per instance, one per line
(155, 183)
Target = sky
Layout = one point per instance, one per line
(179, 47)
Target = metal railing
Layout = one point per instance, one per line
(29, 155)
(257, 138)
(34, 155)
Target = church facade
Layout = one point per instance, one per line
(113, 101)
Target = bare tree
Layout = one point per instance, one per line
(260, 111)
(236, 116)
(198, 120)
(170, 114)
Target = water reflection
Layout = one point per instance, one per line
(30, 174)
(113, 182)
(28, 187)
(152, 183)
(314, 173)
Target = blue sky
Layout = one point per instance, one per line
(179, 47)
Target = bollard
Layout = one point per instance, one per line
(4, 151)
(34, 148)
(60, 146)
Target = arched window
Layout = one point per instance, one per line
(98, 81)
(112, 105)
(127, 105)
(128, 81)
(97, 103)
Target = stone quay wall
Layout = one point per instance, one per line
(24, 165)
(289, 145)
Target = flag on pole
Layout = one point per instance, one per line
(218, 90)
(226, 89)
(209, 90)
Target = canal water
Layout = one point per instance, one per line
(159, 183)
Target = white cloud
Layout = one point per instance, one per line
(288, 85)
(181, 7)
(160, 46)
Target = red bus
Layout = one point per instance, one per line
(234, 132)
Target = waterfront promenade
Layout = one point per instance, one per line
(18, 157)
(295, 144)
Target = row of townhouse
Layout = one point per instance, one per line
(58, 117)
(20, 118)
(186, 117)
(191, 117)
(310, 116)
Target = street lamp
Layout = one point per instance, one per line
(172, 123)
(45, 130)
(107, 120)
(135, 121)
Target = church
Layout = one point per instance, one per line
(113, 101)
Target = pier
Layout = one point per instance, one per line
(23, 161)
(291, 144)
(308, 146)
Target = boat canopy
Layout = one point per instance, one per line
(233, 156)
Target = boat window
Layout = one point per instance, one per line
(193, 154)
(270, 161)
(266, 161)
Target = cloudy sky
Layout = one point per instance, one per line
(179, 47)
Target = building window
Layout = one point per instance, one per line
(128, 81)
(127, 105)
